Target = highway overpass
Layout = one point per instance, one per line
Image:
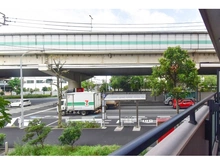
(99, 53)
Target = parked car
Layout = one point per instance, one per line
(183, 103)
(17, 103)
(168, 101)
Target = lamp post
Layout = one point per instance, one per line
(21, 123)
(91, 21)
(4, 86)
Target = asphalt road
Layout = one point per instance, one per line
(110, 134)
(147, 115)
(36, 101)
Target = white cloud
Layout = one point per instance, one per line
(148, 16)
(106, 16)
(107, 4)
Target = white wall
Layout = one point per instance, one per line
(35, 85)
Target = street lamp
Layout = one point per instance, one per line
(91, 21)
(4, 86)
(21, 123)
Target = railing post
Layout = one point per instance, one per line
(218, 131)
(192, 118)
(211, 110)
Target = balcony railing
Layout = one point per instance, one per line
(141, 143)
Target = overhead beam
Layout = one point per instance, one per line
(211, 21)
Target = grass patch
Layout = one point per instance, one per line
(56, 150)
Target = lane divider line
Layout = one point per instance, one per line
(52, 123)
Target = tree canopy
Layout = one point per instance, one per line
(176, 74)
(88, 85)
(15, 85)
(208, 83)
(4, 116)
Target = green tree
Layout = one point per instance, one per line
(176, 74)
(129, 83)
(125, 83)
(104, 87)
(32, 90)
(88, 85)
(114, 83)
(15, 85)
(70, 134)
(4, 116)
(136, 83)
(65, 87)
(44, 89)
(36, 132)
(208, 83)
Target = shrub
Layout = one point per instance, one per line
(37, 129)
(2, 139)
(2, 93)
(92, 124)
(70, 135)
(66, 150)
(81, 124)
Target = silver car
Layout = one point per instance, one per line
(17, 103)
(168, 101)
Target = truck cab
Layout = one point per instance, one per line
(63, 107)
(111, 104)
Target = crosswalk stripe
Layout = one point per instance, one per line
(12, 122)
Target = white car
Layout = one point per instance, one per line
(17, 103)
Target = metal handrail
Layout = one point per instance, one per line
(136, 146)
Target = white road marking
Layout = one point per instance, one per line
(39, 112)
(12, 122)
(52, 123)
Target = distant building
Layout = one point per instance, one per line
(40, 82)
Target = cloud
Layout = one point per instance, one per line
(148, 16)
(100, 17)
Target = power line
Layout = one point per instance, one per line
(34, 20)
(102, 23)
(76, 26)
(46, 28)
(82, 28)
(25, 22)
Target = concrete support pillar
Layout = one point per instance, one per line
(75, 79)
(73, 84)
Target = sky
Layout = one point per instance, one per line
(101, 15)
(104, 12)
(96, 15)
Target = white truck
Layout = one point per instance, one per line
(81, 103)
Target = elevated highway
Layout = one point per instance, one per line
(104, 53)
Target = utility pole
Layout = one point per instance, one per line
(91, 21)
(3, 16)
(4, 19)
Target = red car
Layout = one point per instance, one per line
(183, 103)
